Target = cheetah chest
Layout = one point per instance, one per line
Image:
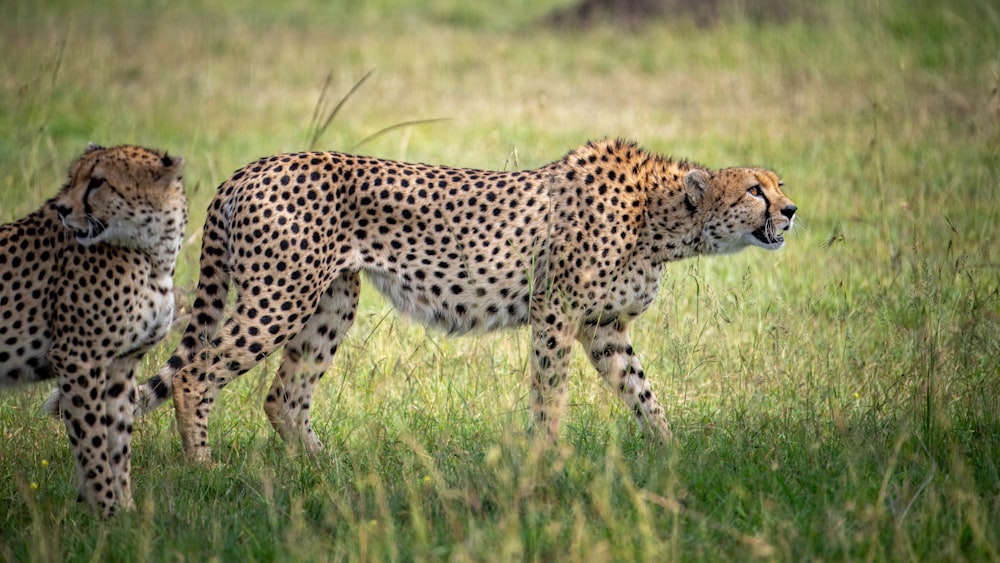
(155, 318)
(623, 296)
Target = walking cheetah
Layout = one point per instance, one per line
(574, 249)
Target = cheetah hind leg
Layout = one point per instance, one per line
(306, 358)
(197, 384)
(254, 329)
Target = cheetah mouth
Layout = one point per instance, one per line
(93, 231)
(767, 238)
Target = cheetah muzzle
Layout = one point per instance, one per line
(94, 228)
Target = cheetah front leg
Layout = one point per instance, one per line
(119, 406)
(552, 344)
(610, 351)
(80, 384)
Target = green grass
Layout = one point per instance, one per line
(838, 400)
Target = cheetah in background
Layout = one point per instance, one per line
(86, 289)
(574, 248)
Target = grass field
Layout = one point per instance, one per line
(837, 400)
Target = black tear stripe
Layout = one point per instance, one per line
(86, 196)
(767, 205)
(86, 193)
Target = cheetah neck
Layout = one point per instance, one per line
(163, 255)
(673, 226)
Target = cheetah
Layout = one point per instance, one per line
(87, 289)
(574, 249)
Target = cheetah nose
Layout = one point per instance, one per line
(62, 209)
(788, 211)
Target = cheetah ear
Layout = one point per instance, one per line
(695, 185)
(173, 166)
(91, 147)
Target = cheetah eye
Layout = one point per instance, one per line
(95, 183)
(755, 190)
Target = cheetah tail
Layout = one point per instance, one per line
(150, 395)
(157, 389)
(51, 404)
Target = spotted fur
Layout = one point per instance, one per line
(574, 249)
(86, 290)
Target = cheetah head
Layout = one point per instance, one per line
(741, 207)
(124, 195)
